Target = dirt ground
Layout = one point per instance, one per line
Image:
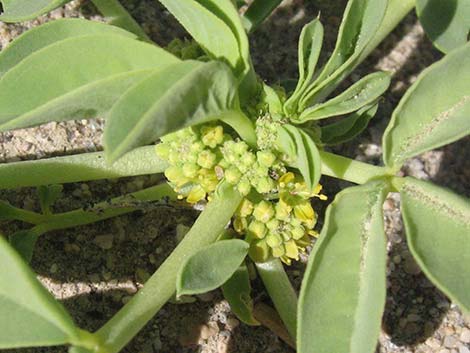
(95, 269)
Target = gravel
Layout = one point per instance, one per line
(96, 269)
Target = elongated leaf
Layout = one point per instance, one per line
(310, 44)
(185, 94)
(433, 112)
(360, 22)
(30, 316)
(77, 77)
(258, 11)
(343, 291)
(211, 267)
(80, 167)
(24, 10)
(438, 231)
(447, 23)
(363, 92)
(349, 127)
(237, 291)
(49, 33)
(302, 151)
(212, 33)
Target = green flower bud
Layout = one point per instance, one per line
(196, 194)
(265, 185)
(292, 250)
(274, 240)
(259, 251)
(298, 232)
(278, 251)
(244, 187)
(176, 176)
(232, 175)
(246, 208)
(240, 148)
(190, 170)
(206, 159)
(266, 158)
(257, 229)
(212, 135)
(263, 211)
(273, 224)
(240, 224)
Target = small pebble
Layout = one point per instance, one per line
(464, 349)
(105, 241)
(206, 297)
(54, 268)
(450, 342)
(465, 335)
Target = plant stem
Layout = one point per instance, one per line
(258, 11)
(281, 292)
(118, 16)
(161, 286)
(10, 212)
(396, 11)
(104, 210)
(349, 169)
(242, 125)
(81, 167)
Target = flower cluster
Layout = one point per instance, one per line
(275, 216)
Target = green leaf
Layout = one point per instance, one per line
(258, 11)
(48, 195)
(343, 291)
(210, 267)
(349, 127)
(447, 23)
(87, 77)
(24, 241)
(49, 33)
(182, 95)
(237, 292)
(30, 315)
(310, 43)
(212, 33)
(433, 112)
(303, 152)
(360, 22)
(24, 10)
(437, 224)
(363, 92)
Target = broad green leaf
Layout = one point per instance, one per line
(237, 291)
(447, 23)
(302, 151)
(76, 77)
(48, 195)
(24, 241)
(437, 224)
(227, 12)
(49, 33)
(310, 44)
(343, 291)
(348, 127)
(363, 92)
(258, 11)
(24, 10)
(361, 20)
(433, 112)
(30, 315)
(182, 95)
(212, 33)
(210, 267)
(272, 99)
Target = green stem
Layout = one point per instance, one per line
(81, 167)
(396, 11)
(9, 212)
(281, 292)
(258, 11)
(349, 169)
(162, 285)
(117, 15)
(242, 125)
(104, 210)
